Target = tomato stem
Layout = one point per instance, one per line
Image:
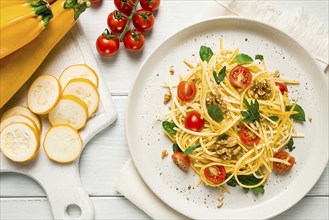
(127, 27)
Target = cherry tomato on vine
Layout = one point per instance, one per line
(134, 40)
(126, 6)
(181, 161)
(150, 5)
(215, 173)
(117, 21)
(186, 91)
(282, 87)
(248, 137)
(240, 77)
(143, 20)
(193, 121)
(107, 44)
(281, 167)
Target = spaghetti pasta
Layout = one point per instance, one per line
(245, 119)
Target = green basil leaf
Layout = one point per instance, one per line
(246, 180)
(215, 112)
(169, 127)
(221, 137)
(243, 58)
(274, 118)
(221, 75)
(176, 148)
(258, 189)
(259, 57)
(205, 53)
(189, 150)
(300, 116)
(290, 145)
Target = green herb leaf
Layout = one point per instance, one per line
(205, 53)
(290, 145)
(189, 150)
(221, 137)
(247, 180)
(169, 127)
(243, 58)
(215, 112)
(274, 118)
(259, 57)
(176, 148)
(300, 116)
(221, 75)
(258, 189)
(252, 113)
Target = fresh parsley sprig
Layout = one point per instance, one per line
(252, 113)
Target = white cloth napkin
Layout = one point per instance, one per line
(130, 184)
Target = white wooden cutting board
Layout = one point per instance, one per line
(61, 182)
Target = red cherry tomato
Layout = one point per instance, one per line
(143, 20)
(94, 1)
(134, 40)
(116, 21)
(215, 173)
(240, 77)
(282, 87)
(150, 5)
(107, 44)
(186, 91)
(247, 137)
(193, 121)
(183, 162)
(281, 167)
(126, 6)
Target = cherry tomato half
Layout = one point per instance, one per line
(193, 121)
(143, 20)
(282, 87)
(215, 173)
(240, 77)
(107, 45)
(186, 91)
(91, 1)
(116, 21)
(247, 137)
(183, 162)
(134, 40)
(281, 167)
(150, 5)
(126, 6)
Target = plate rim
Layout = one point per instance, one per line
(186, 27)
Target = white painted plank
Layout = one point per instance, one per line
(101, 162)
(121, 208)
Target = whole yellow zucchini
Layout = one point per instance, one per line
(20, 24)
(18, 67)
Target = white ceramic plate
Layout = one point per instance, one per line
(146, 139)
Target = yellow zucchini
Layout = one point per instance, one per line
(7, 3)
(20, 24)
(18, 67)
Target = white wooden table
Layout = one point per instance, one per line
(102, 159)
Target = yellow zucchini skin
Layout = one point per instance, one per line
(7, 3)
(18, 67)
(20, 24)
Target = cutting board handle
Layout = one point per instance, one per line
(67, 198)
